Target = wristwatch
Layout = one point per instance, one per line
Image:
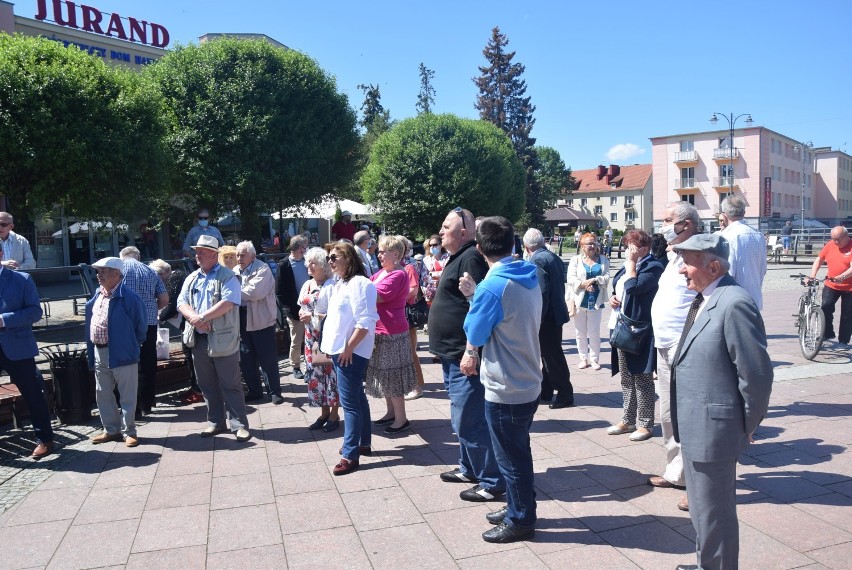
(472, 352)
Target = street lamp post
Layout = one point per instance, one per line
(802, 148)
(731, 122)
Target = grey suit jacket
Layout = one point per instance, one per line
(723, 375)
(21, 251)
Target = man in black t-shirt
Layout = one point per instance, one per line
(447, 341)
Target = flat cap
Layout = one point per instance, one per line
(707, 243)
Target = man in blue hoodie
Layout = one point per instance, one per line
(504, 319)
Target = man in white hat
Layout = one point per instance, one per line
(344, 229)
(210, 301)
(115, 328)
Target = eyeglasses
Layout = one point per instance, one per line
(434, 245)
(203, 217)
(5, 224)
(458, 210)
(331, 258)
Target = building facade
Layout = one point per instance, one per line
(833, 199)
(773, 172)
(617, 196)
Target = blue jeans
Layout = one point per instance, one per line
(356, 409)
(467, 416)
(509, 425)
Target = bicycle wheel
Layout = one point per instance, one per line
(803, 300)
(810, 335)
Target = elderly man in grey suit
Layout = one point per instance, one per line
(723, 333)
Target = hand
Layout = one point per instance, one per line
(345, 357)
(614, 302)
(467, 285)
(632, 253)
(11, 264)
(468, 365)
(305, 316)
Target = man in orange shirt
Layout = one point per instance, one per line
(837, 254)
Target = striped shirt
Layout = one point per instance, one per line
(747, 256)
(145, 282)
(100, 317)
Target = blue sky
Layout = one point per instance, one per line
(604, 77)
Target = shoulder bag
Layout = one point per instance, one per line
(629, 334)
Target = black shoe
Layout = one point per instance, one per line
(254, 397)
(456, 476)
(331, 426)
(479, 494)
(277, 399)
(297, 373)
(558, 404)
(503, 533)
(384, 422)
(318, 424)
(496, 517)
(403, 427)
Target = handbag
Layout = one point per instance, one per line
(417, 314)
(572, 306)
(318, 357)
(629, 334)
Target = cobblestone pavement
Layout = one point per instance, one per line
(182, 500)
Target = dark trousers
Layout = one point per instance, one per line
(25, 376)
(829, 300)
(554, 368)
(509, 425)
(258, 348)
(148, 370)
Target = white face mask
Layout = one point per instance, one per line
(669, 232)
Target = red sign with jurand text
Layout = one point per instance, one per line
(88, 19)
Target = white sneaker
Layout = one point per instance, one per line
(583, 364)
(243, 434)
(414, 394)
(595, 365)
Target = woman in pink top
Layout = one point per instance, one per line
(390, 373)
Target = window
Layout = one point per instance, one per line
(571, 203)
(613, 200)
(629, 216)
(726, 170)
(687, 177)
(584, 202)
(688, 198)
(598, 210)
(613, 217)
(725, 142)
(687, 146)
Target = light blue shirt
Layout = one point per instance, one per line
(204, 286)
(197, 231)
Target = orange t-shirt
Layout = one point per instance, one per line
(838, 260)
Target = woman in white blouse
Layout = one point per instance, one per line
(348, 337)
(588, 279)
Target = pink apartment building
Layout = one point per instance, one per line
(833, 199)
(766, 167)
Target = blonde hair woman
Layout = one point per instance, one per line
(228, 256)
(588, 279)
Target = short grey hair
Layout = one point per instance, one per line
(734, 207)
(711, 257)
(534, 239)
(247, 246)
(361, 236)
(686, 211)
(160, 266)
(318, 257)
(130, 251)
(297, 241)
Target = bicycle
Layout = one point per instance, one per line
(810, 320)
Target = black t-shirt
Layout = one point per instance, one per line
(449, 307)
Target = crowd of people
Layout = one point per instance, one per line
(683, 302)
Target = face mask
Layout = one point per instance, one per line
(203, 223)
(435, 250)
(669, 232)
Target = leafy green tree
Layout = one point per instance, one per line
(553, 178)
(502, 101)
(255, 127)
(427, 165)
(426, 96)
(77, 133)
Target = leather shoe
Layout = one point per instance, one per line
(42, 449)
(558, 404)
(106, 437)
(277, 399)
(687, 567)
(503, 533)
(683, 503)
(243, 434)
(318, 424)
(131, 441)
(384, 421)
(657, 481)
(345, 466)
(211, 431)
(403, 427)
(619, 429)
(496, 517)
(456, 476)
(331, 425)
(479, 494)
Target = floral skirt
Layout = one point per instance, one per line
(322, 381)
(390, 373)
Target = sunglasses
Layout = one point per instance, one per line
(458, 210)
(5, 224)
(203, 217)
(434, 245)
(331, 258)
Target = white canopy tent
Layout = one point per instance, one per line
(326, 210)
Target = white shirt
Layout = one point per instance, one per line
(671, 305)
(747, 257)
(352, 305)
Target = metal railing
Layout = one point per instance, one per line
(686, 156)
(682, 183)
(724, 182)
(725, 153)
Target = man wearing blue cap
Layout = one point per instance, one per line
(713, 415)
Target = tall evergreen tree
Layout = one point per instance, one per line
(375, 119)
(502, 101)
(426, 97)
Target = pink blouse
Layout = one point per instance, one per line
(392, 289)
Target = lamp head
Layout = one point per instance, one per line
(749, 120)
(714, 119)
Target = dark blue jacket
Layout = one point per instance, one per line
(127, 326)
(551, 279)
(639, 294)
(20, 307)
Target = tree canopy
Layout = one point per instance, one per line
(427, 165)
(255, 127)
(77, 133)
(426, 96)
(502, 101)
(552, 176)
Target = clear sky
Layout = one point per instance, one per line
(604, 76)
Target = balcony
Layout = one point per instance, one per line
(724, 183)
(725, 154)
(681, 184)
(629, 206)
(686, 157)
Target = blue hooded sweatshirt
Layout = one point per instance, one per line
(504, 319)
